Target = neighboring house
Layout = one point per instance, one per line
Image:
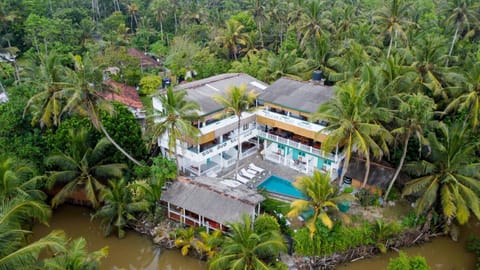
(279, 125)
(216, 147)
(289, 138)
(206, 202)
(127, 95)
(145, 60)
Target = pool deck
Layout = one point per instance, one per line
(270, 169)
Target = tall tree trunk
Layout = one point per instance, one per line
(367, 170)
(161, 31)
(451, 46)
(175, 148)
(118, 146)
(175, 17)
(261, 34)
(346, 162)
(238, 144)
(390, 46)
(399, 168)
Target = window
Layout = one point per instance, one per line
(245, 127)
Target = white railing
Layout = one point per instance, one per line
(225, 122)
(297, 145)
(212, 151)
(291, 120)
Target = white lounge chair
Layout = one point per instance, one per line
(242, 179)
(255, 168)
(247, 174)
(251, 171)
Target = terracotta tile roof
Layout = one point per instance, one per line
(125, 94)
(145, 60)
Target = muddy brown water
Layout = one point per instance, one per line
(137, 252)
(132, 252)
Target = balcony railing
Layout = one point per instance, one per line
(212, 151)
(291, 120)
(297, 145)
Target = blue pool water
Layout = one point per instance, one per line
(281, 186)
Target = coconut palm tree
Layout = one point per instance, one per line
(247, 250)
(462, 15)
(75, 256)
(393, 19)
(208, 243)
(45, 73)
(19, 180)
(415, 114)
(119, 208)
(449, 179)
(81, 168)
(467, 95)
(174, 120)
(285, 64)
(237, 100)
(81, 89)
(14, 215)
(313, 23)
(352, 124)
(321, 196)
(232, 37)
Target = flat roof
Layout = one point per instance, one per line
(203, 91)
(298, 95)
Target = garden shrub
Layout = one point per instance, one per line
(412, 220)
(326, 242)
(264, 223)
(404, 262)
(367, 198)
(473, 245)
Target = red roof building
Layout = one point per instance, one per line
(145, 60)
(123, 93)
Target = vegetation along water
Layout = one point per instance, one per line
(106, 104)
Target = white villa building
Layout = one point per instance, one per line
(278, 126)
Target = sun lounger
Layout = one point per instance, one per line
(247, 174)
(251, 171)
(242, 179)
(255, 168)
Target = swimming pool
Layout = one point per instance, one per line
(281, 186)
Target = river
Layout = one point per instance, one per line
(137, 252)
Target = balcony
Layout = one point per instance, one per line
(291, 143)
(291, 123)
(213, 150)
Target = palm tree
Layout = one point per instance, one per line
(467, 96)
(81, 167)
(175, 120)
(159, 8)
(393, 19)
(415, 113)
(119, 208)
(75, 256)
(232, 37)
(237, 100)
(383, 231)
(14, 215)
(133, 11)
(313, 22)
(45, 72)
(81, 92)
(352, 124)
(19, 181)
(285, 64)
(247, 250)
(462, 14)
(449, 179)
(208, 243)
(321, 196)
(185, 240)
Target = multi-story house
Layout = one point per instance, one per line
(216, 146)
(288, 137)
(279, 126)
